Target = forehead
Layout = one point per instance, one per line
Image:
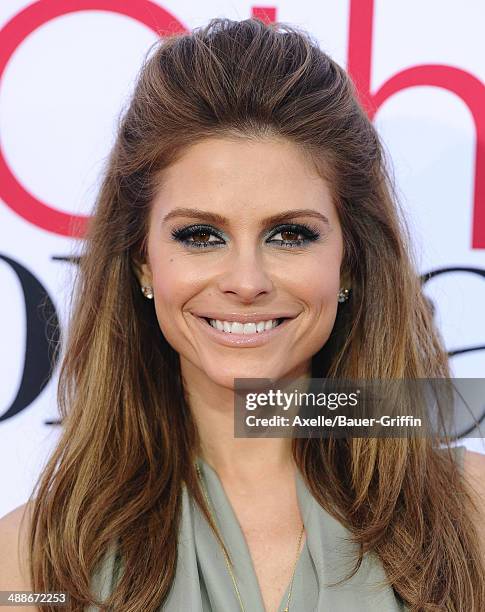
(230, 176)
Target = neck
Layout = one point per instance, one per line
(247, 459)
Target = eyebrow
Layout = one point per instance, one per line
(221, 220)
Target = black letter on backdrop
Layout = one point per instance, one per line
(480, 272)
(41, 352)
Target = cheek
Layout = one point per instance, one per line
(317, 285)
(321, 289)
(170, 283)
(175, 282)
(172, 288)
(174, 278)
(318, 280)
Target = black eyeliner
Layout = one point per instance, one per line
(183, 234)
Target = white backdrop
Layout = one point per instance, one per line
(67, 68)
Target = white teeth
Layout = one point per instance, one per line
(235, 327)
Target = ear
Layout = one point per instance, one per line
(143, 272)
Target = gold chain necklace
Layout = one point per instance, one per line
(228, 563)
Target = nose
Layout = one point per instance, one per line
(245, 275)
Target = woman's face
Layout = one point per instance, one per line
(228, 259)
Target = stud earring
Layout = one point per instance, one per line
(147, 291)
(343, 295)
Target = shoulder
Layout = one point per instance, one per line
(13, 550)
(474, 473)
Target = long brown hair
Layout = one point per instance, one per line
(128, 441)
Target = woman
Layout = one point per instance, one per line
(246, 185)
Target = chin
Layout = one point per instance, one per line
(226, 378)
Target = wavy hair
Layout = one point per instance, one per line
(128, 441)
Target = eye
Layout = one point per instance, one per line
(290, 233)
(202, 233)
(198, 236)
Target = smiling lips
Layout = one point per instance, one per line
(250, 330)
(253, 323)
(245, 318)
(236, 327)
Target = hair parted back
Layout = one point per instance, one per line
(128, 441)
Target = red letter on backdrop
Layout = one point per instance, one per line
(460, 82)
(264, 13)
(12, 35)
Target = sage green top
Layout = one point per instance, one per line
(203, 584)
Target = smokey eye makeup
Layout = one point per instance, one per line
(290, 233)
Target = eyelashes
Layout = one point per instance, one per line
(184, 235)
